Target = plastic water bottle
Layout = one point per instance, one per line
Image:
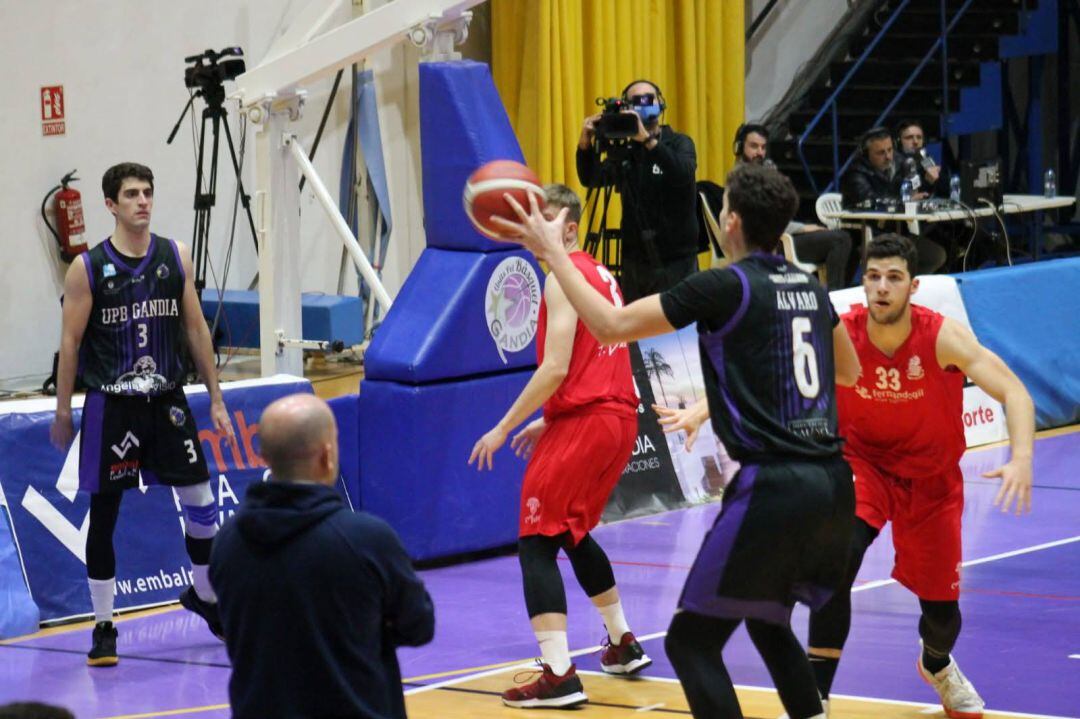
(905, 191)
(954, 188)
(1050, 184)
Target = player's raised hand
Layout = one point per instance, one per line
(541, 236)
(219, 417)
(524, 442)
(486, 447)
(687, 420)
(1015, 485)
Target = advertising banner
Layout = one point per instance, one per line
(50, 518)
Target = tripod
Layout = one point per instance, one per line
(214, 112)
(604, 243)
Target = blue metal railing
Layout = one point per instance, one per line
(940, 44)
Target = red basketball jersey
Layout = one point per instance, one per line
(599, 378)
(905, 414)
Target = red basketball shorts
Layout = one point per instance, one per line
(925, 515)
(575, 465)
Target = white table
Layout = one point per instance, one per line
(1011, 205)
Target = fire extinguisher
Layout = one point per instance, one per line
(70, 231)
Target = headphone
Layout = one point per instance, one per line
(659, 93)
(874, 133)
(745, 129)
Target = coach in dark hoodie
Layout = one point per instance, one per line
(314, 598)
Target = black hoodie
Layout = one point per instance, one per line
(314, 599)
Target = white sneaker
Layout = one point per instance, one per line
(958, 696)
(823, 715)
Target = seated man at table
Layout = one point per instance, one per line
(874, 177)
(933, 180)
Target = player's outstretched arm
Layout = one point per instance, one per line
(607, 323)
(78, 302)
(558, 346)
(687, 420)
(958, 347)
(845, 357)
(200, 345)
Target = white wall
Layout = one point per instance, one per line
(793, 32)
(121, 65)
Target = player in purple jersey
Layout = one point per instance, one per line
(126, 304)
(772, 351)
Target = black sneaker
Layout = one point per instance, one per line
(103, 651)
(207, 610)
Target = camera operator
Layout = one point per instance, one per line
(912, 148)
(874, 180)
(813, 243)
(655, 174)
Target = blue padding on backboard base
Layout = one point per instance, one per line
(462, 125)
(345, 412)
(18, 613)
(443, 322)
(1028, 316)
(322, 317)
(414, 444)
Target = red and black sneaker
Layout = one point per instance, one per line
(627, 657)
(550, 690)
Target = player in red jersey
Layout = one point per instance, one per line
(903, 422)
(905, 435)
(577, 452)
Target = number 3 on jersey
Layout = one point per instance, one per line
(805, 358)
(610, 282)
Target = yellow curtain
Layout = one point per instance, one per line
(552, 58)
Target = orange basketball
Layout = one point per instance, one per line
(484, 190)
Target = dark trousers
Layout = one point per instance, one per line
(831, 248)
(641, 278)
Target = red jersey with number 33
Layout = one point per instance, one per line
(905, 414)
(599, 377)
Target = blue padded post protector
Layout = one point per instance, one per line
(457, 346)
(414, 444)
(1028, 316)
(462, 126)
(439, 326)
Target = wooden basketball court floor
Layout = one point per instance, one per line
(1020, 644)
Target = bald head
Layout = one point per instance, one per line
(298, 439)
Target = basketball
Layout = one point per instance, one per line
(484, 190)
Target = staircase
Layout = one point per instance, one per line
(875, 63)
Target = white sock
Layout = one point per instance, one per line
(555, 651)
(615, 621)
(201, 581)
(102, 593)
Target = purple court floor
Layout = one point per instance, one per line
(1020, 596)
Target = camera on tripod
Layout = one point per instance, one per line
(615, 125)
(212, 68)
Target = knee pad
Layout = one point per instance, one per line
(542, 582)
(200, 510)
(591, 566)
(939, 625)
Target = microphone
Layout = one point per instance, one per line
(767, 162)
(925, 161)
(909, 167)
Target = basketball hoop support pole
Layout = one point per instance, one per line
(340, 226)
